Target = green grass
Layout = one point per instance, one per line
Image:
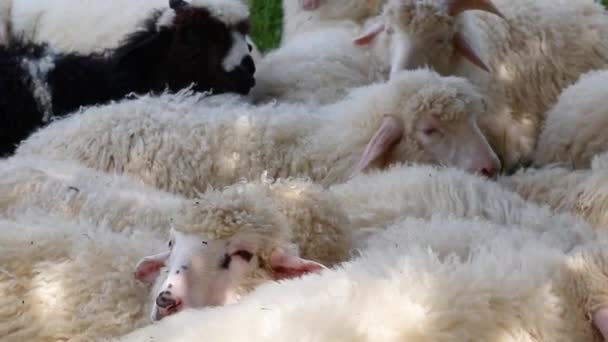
(266, 18)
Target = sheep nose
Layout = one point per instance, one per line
(166, 301)
(248, 65)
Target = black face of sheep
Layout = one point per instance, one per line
(196, 48)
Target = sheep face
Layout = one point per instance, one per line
(189, 45)
(198, 272)
(437, 124)
(426, 33)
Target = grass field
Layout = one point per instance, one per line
(266, 16)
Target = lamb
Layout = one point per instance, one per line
(302, 16)
(574, 129)
(418, 116)
(101, 24)
(165, 55)
(67, 281)
(423, 281)
(522, 60)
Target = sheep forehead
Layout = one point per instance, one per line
(419, 16)
(447, 103)
(227, 222)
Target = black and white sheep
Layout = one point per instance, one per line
(179, 46)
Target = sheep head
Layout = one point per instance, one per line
(431, 119)
(196, 272)
(203, 44)
(427, 33)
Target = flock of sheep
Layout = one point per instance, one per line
(396, 170)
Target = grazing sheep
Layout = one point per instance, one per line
(179, 46)
(443, 280)
(311, 214)
(574, 130)
(66, 281)
(101, 23)
(522, 60)
(178, 144)
(302, 16)
(582, 192)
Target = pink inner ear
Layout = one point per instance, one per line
(600, 319)
(310, 5)
(148, 268)
(464, 48)
(388, 135)
(369, 35)
(287, 266)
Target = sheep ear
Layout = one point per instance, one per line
(177, 4)
(148, 268)
(369, 35)
(600, 320)
(388, 135)
(286, 266)
(310, 5)
(464, 48)
(456, 7)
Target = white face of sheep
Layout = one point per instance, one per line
(425, 33)
(459, 144)
(445, 129)
(196, 272)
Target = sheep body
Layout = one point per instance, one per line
(573, 132)
(413, 287)
(317, 67)
(231, 140)
(581, 192)
(68, 281)
(326, 13)
(381, 198)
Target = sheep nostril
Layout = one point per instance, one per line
(165, 300)
(248, 65)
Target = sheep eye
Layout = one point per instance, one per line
(243, 27)
(431, 131)
(170, 243)
(204, 242)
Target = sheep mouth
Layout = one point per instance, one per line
(160, 313)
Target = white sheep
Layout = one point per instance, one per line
(311, 214)
(380, 198)
(83, 27)
(574, 129)
(522, 60)
(443, 280)
(179, 144)
(303, 16)
(62, 280)
(319, 67)
(581, 192)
